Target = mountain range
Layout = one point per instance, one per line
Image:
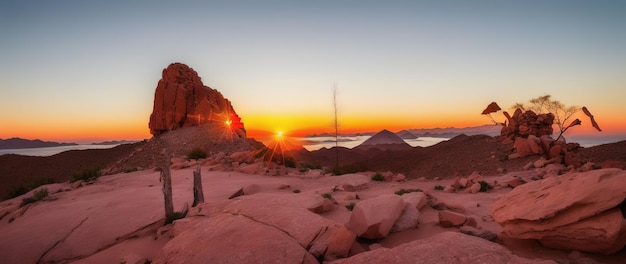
(20, 143)
(448, 132)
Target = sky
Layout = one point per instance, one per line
(86, 71)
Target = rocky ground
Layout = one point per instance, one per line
(459, 202)
(284, 215)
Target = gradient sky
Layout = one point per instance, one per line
(87, 70)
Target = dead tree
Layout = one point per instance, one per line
(166, 179)
(198, 194)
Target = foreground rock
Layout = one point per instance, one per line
(374, 218)
(260, 228)
(578, 211)
(447, 247)
(228, 238)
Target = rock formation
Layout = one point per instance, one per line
(181, 100)
(523, 124)
(576, 211)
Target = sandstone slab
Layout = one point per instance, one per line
(576, 211)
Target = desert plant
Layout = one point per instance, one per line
(561, 112)
(296, 191)
(350, 206)
(438, 188)
(336, 125)
(543, 105)
(86, 175)
(20, 189)
(403, 191)
(196, 153)
(327, 196)
(37, 196)
(484, 186)
(16, 191)
(378, 177)
(290, 162)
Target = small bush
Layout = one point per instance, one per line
(18, 190)
(296, 191)
(86, 175)
(37, 196)
(438, 188)
(290, 162)
(350, 206)
(196, 153)
(403, 191)
(378, 177)
(484, 186)
(327, 196)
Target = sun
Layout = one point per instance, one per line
(279, 134)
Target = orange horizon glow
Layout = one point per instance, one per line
(265, 127)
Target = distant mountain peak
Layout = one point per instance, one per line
(382, 138)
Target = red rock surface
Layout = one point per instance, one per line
(576, 211)
(181, 100)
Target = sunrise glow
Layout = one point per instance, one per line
(420, 65)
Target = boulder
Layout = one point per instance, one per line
(415, 199)
(254, 168)
(449, 219)
(321, 205)
(181, 100)
(521, 147)
(373, 218)
(516, 181)
(446, 247)
(400, 177)
(409, 217)
(475, 188)
(407, 220)
(576, 211)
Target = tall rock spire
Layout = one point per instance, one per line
(181, 100)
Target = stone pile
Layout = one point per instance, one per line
(471, 184)
(524, 124)
(531, 133)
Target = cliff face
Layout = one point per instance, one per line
(181, 100)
